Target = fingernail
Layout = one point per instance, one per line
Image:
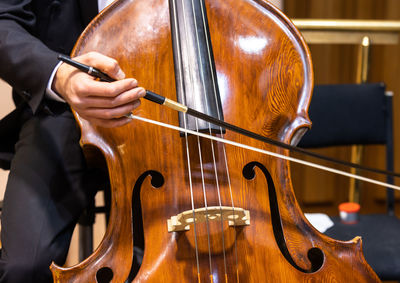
(134, 83)
(129, 115)
(142, 92)
(120, 75)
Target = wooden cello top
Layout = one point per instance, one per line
(262, 69)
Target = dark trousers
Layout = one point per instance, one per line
(48, 187)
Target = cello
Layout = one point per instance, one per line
(210, 212)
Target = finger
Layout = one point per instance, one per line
(111, 113)
(102, 62)
(112, 102)
(90, 87)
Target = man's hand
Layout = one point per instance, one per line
(101, 103)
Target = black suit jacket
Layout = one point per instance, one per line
(32, 34)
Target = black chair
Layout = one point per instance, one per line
(360, 114)
(87, 220)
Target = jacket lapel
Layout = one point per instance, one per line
(89, 10)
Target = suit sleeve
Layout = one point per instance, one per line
(25, 62)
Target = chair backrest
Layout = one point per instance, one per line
(350, 114)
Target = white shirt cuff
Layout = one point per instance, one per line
(51, 94)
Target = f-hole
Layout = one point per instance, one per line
(314, 255)
(157, 180)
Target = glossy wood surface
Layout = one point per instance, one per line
(265, 80)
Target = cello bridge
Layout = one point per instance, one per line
(235, 216)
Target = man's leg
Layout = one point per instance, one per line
(48, 187)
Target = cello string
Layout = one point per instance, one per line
(205, 198)
(191, 197)
(215, 87)
(209, 125)
(184, 115)
(191, 76)
(277, 155)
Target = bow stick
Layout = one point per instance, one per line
(151, 96)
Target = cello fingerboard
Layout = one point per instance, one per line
(196, 80)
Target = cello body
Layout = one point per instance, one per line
(262, 69)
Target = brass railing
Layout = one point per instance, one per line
(348, 31)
